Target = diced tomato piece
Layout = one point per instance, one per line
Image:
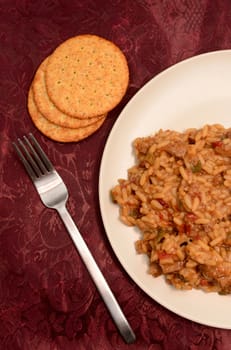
(163, 203)
(217, 144)
(163, 255)
(197, 237)
(187, 229)
(191, 216)
(204, 282)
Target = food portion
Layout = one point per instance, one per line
(57, 132)
(179, 196)
(48, 108)
(86, 76)
(76, 86)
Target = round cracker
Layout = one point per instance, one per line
(48, 109)
(86, 76)
(56, 132)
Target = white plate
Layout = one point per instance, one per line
(192, 93)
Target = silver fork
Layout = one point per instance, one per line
(54, 194)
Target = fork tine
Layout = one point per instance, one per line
(36, 156)
(26, 164)
(29, 158)
(42, 154)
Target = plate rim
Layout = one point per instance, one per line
(103, 160)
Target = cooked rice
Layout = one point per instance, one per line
(179, 196)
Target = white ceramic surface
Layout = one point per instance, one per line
(192, 93)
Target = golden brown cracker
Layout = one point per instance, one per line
(47, 108)
(86, 76)
(56, 132)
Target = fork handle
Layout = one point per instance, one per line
(97, 276)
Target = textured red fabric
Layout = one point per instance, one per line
(47, 300)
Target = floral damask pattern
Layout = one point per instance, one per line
(47, 299)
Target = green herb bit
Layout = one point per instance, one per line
(197, 167)
(160, 234)
(223, 292)
(180, 204)
(134, 213)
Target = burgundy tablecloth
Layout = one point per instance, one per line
(47, 300)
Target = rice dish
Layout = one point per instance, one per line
(178, 194)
